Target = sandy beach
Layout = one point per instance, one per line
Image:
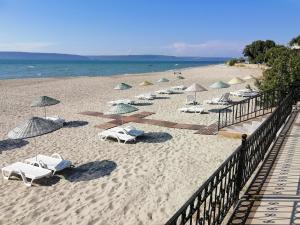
(120, 184)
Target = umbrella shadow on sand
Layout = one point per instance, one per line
(11, 144)
(143, 103)
(89, 171)
(218, 110)
(162, 97)
(155, 137)
(74, 124)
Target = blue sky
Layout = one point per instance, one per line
(170, 27)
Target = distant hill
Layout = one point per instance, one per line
(39, 56)
(70, 57)
(155, 58)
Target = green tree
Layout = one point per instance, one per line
(257, 49)
(295, 41)
(285, 71)
(273, 53)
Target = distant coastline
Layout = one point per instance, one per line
(4, 55)
(63, 66)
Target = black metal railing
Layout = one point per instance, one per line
(249, 108)
(212, 201)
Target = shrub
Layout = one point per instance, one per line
(232, 62)
(273, 53)
(285, 71)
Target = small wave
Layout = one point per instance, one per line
(30, 67)
(176, 65)
(39, 74)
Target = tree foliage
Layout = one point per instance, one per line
(256, 50)
(284, 72)
(273, 53)
(295, 41)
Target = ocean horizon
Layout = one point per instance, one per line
(14, 69)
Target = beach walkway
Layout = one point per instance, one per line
(140, 118)
(273, 196)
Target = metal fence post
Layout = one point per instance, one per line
(240, 169)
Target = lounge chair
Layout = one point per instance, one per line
(223, 100)
(179, 88)
(166, 91)
(190, 100)
(244, 93)
(148, 96)
(120, 133)
(192, 109)
(26, 171)
(56, 119)
(124, 101)
(55, 162)
(129, 130)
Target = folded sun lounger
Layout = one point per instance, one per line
(192, 109)
(124, 101)
(26, 172)
(166, 91)
(179, 88)
(146, 96)
(54, 162)
(244, 93)
(223, 100)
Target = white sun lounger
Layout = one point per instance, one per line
(124, 101)
(166, 91)
(192, 109)
(26, 171)
(129, 130)
(146, 96)
(117, 133)
(55, 162)
(244, 93)
(223, 100)
(179, 88)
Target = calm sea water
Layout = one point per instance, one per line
(28, 69)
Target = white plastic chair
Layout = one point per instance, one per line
(55, 162)
(26, 171)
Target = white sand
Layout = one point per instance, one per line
(152, 178)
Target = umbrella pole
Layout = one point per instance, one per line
(35, 149)
(195, 98)
(45, 111)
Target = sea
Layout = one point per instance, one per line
(12, 69)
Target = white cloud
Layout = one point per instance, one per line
(25, 46)
(209, 48)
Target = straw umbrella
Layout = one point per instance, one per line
(195, 88)
(121, 109)
(161, 80)
(236, 80)
(44, 101)
(219, 85)
(122, 86)
(33, 127)
(145, 83)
